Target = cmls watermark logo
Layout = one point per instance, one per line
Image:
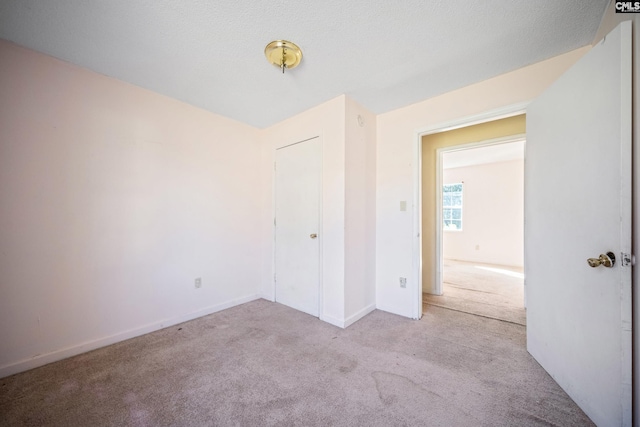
(628, 7)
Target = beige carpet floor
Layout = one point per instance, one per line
(264, 364)
(482, 289)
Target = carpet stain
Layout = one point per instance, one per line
(349, 367)
(534, 419)
(390, 385)
(69, 386)
(249, 334)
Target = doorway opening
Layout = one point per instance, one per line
(472, 218)
(481, 201)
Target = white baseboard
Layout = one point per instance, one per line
(345, 323)
(54, 356)
(400, 311)
(333, 320)
(358, 315)
(268, 297)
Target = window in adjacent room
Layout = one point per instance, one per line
(452, 206)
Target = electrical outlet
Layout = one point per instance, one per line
(198, 282)
(403, 282)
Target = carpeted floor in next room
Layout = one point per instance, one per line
(487, 290)
(263, 364)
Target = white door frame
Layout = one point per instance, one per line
(496, 114)
(320, 222)
(439, 183)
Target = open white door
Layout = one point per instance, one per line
(578, 206)
(297, 250)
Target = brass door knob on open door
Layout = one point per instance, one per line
(313, 236)
(607, 260)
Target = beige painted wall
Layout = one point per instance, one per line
(493, 214)
(113, 199)
(430, 144)
(360, 214)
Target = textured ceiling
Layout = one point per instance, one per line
(383, 54)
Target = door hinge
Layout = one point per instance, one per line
(627, 260)
(274, 277)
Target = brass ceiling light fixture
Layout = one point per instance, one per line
(283, 54)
